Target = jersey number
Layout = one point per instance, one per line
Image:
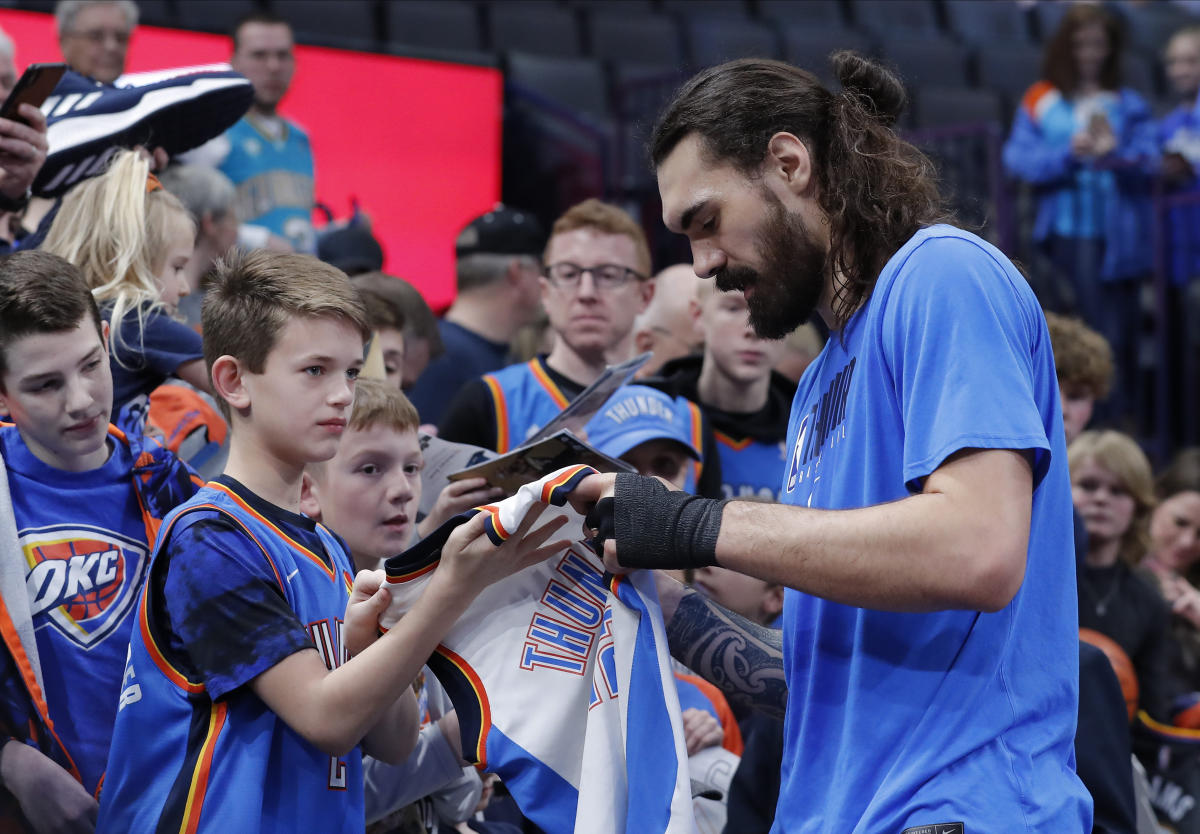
(328, 643)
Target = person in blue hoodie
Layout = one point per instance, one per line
(1088, 148)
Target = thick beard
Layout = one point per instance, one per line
(788, 288)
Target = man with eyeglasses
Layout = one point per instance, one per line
(93, 35)
(594, 284)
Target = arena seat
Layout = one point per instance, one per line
(353, 27)
(1150, 25)
(156, 13)
(939, 106)
(1140, 72)
(213, 15)
(577, 84)
(996, 21)
(893, 18)
(630, 6)
(539, 29)
(436, 24)
(712, 40)
(925, 61)
(821, 14)
(1047, 16)
(810, 48)
(617, 35)
(1008, 69)
(725, 8)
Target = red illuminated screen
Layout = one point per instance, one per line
(416, 142)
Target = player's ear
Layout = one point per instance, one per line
(310, 503)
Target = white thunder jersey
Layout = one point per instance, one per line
(561, 679)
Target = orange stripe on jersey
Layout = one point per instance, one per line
(411, 575)
(494, 517)
(485, 709)
(500, 406)
(543, 377)
(549, 487)
(736, 445)
(199, 786)
(301, 549)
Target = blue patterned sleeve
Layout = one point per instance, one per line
(228, 616)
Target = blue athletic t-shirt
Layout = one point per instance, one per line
(899, 720)
(144, 356)
(83, 539)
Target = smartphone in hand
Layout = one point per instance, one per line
(33, 87)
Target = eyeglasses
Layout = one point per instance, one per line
(121, 36)
(566, 275)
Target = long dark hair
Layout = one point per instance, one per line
(876, 189)
(1058, 61)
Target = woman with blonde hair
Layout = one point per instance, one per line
(1113, 490)
(133, 240)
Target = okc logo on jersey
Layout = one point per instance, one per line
(82, 579)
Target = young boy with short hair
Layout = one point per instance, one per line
(257, 669)
(368, 494)
(80, 504)
(745, 400)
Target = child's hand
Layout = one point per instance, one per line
(471, 562)
(50, 798)
(369, 599)
(701, 730)
(457, 497)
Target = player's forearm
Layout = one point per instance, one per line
(917, 554)
(741, 658)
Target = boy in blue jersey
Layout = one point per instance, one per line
(257, 668)
(746, 402)
(930, 629)
(79, 507)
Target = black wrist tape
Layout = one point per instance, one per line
(658, 528)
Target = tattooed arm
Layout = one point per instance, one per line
(741, 658)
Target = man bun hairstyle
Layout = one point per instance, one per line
(875, 189)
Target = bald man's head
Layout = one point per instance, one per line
(667, 328)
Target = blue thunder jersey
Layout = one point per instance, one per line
(750, 468)
(274, 179)
(910, 720)
(524, 398)
(83, 538)
(197, 756)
